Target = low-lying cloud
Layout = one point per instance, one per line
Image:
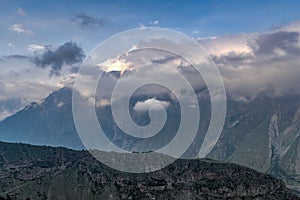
(267, 44)
(152, 103)
(270, 67)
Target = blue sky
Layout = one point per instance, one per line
(51, 21)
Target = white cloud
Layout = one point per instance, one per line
(205, 38)
(11, 44)
(20, 29)
(238, 43)
(156, 22)
(35, 47)
(117, 64)
(102, 102)
(147, 104)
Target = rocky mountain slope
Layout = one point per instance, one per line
(262, 134)
(48, 122)
(35, 172)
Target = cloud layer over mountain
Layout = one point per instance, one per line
(264, 63)
(251, 64)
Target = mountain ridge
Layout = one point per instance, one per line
(35, 172)
(256, 134)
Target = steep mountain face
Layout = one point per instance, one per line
(49, 122)
(34, 172)
(262, 134)
(285, 148)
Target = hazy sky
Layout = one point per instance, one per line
(241, 36)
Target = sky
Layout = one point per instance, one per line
(55, 22)
(34, 36)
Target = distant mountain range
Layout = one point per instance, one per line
(262, 134)
(33, 172)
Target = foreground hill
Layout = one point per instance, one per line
(35, 172)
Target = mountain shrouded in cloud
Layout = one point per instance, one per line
(251, 64)
(31, 77)
(251, 128)
(72, 77)
(260, 63)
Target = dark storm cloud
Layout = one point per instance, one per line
(267, 43)
(85, 20)
(68, 53)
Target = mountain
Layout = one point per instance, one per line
(48, 122)
(262, 134)
(34, 172)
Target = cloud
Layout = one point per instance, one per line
(238, 43)
(36, 47)
(20, 29)
(68, 53)
(20, 79)
(116, 65)
(11, 44)
(147, 104)
(251, 64)
(233, 58)
(103, 103)
(155, 22)
(16, 57)
(141, 25)
(85, 20)
(11, 106)
(267, 66)
(21, 12)
(268, 44)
